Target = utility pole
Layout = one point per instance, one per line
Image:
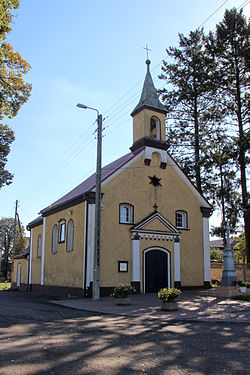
(96, 271)
(14, 241)
(98, 194)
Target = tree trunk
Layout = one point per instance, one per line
(242, 162)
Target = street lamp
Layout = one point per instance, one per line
(96, 269)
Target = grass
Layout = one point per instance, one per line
(5, 286)
(243, 297)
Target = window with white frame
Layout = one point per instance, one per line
(39, 246)
(54, 239)
(70, 235)
(62, 229)
(181, 219)
(126, 213)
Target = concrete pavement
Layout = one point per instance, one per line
(192, 307)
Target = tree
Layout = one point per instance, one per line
(224, 187)
(240, 249)
(6, 138)
(229, 46)
(191, 104)
(11, 239)
(14, 91)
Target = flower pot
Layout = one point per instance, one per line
(123, 301)
(169, 306)
(243, 289)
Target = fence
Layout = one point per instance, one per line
(242, 270)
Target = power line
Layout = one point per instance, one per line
(211, 15)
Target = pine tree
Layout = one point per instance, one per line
(229, 46)
(191, 104)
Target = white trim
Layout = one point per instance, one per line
(206, 249)
(18, 275)
(90, 244)
(170, 227)
(144, 268)
(177, 262)
(148, 151)
(136, 260)
(84, 243)
(43, 250)
(185, 179)
(31, 255)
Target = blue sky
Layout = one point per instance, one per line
(88, 51)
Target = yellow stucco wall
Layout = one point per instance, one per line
(24, 270)
(132, 186)
(36, 262)
(65, 268)
(141, 124)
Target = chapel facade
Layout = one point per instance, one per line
(154, 222)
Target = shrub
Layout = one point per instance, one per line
(123, 290)
(168, 295)
(243, 283)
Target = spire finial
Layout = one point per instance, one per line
(147, 49)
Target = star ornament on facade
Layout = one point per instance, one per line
(155, 181)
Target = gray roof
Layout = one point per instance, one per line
(23, 254)
(149, 96)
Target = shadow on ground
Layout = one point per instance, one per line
(40, 338)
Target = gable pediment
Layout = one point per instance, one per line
(155, 224)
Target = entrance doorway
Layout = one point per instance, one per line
(157, 267)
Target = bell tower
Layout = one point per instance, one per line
(149, 114)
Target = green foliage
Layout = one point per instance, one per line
(216, 254)
(208, 105)
(240, 250)
(6, 138)
(123, 290)
(243, 297)
(243, 283)
(14, 92)
(8, 242)
(229, 46)
(5, 286)
(168, 295)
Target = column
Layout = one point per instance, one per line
(136, 262)
(177, 263)
(31, 253)
(206, 212)
(43, 251)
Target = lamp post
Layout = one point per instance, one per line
(96, 269)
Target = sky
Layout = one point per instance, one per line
(90, 52)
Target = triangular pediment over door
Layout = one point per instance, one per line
(155, 226)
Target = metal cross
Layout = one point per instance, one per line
(155, 206)
(147, 49)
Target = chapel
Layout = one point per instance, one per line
(154, 222)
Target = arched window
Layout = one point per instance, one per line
(54, 239)
(181, 219)
(62, 226)
(126, 213)
(70, 235)
(39, 246)
(155, 128)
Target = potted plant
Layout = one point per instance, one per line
(122, 294)
(168, 298)
(242, 285)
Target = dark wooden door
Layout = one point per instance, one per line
(156, 270)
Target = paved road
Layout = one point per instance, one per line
(37, 337)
